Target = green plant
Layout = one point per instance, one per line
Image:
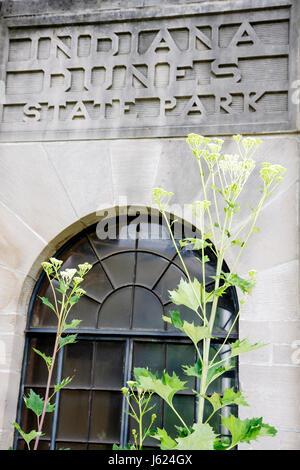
(67, 285)
(138, 402)
(223, 178)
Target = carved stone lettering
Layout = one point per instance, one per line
(159, 77)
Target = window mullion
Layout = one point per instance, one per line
(57, 398)
(125, 406)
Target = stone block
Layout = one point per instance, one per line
(134, 168)
(85, 172)
(272, 392)
(275, 296)
(32, 190)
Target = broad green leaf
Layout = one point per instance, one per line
(216, 371)
(198, 243)
(241, 347)
(174, 319)
(213, 372)
(47, 359)
(194, 370)
(230, 397)
(247, 430)
(62, 384)
(29, 436)
(116, 447)
(166, 387)
(195, 333)
(67, 340)
(166, 442)
(71, 326)
(73, 300)
(232, 279)
(191, 294)
(48, 303)
(36, 403)
(187, 294)
(62, 287)
(222, 444)
(140, 372)
(202, 438)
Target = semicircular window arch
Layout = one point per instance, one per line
(127, 292)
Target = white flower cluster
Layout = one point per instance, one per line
(161, 198)
(236, 171)
(270, 173)
(68, 276)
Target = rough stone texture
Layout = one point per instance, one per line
(50, 191)
(219, 73)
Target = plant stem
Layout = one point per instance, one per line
(47, 391)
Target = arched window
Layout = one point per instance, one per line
(122, 328)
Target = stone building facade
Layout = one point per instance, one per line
(96, 99)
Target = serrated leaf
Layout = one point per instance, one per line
(62, 384)
(242, 347)
(230, 397)
(116, 447)
(67, 340)
(202, 438)
(198, 243)
(174, 319)
(216, 371)
(232, 279)
(191, 294)
(28, 437)
(166, 442)
(47, 359)
(36, 403)
(48, 303)
(222, 444)
(212, 374)
(195, 333)
(71, 326)
(166, 387)
(247, 430)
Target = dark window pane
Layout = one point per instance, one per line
(149, 268)
(96, 283)
(106, 416)
(150, 355)
(158, 241)
(85, 310)
(43, 444)
(148, 310)
(120, 268)
(185, 314)
(70, 445)
(109, 364)
(185, 406)
(116, 310)
(117, 238)
(77, 363)
(80, 252)
(100, 446)
(169, 281)
(43, 316)
(36, 371)
(177, 356)
(73, 415)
